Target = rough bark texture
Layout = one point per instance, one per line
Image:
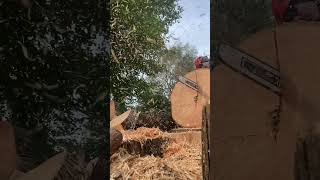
(115, 140)
(149, 147)
(151, 119)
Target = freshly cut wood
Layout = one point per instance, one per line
(113, 112)
(186, 103)
(8, 155)
(115, 140)
(242, 108)
(117, 121)
(59, 167)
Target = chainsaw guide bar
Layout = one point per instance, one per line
(251, 67)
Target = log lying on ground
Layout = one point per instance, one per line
(151, 119)
(115, 140)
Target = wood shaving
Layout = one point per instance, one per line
(180, 160)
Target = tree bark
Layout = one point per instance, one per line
(151, 119)
(115, 140)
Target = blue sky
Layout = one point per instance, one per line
(194, 25)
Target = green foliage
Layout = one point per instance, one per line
(138, 36)
(53, 67)
(177, 60)
(236, 20)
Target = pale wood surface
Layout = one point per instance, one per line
(241, 109)
(185, 110)
(117, 121)
(113, 112)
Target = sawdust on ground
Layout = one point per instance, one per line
(181, 160)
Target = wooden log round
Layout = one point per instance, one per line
(115, 140)
(186, 103)
(242, 108)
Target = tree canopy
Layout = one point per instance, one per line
(54, 68)
(138, 34)
(176, 60)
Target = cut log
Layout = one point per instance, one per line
(113, 112)
(116, 122)
(242, 108)
(186, 103)
(8, 155)
(115, 140)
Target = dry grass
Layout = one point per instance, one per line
(180, 159)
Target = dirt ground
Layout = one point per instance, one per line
(241, 120)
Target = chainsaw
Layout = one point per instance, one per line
(251, 67)
(247, 65)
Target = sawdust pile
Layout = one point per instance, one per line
(142, 134)
(180, 160)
